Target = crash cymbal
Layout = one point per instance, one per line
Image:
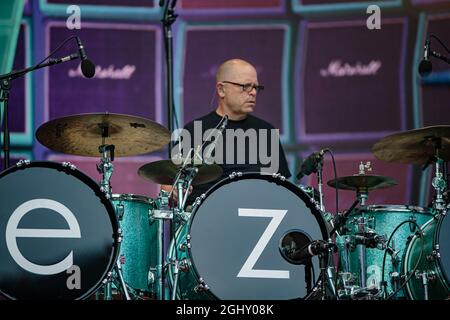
(362, 182)
(165, 172)
(416, 146)
(82, 134)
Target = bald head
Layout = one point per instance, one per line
(231, 68)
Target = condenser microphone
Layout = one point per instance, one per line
(87, 67)
(311, 163)
(425, 66)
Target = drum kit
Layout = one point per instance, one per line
(251, 236)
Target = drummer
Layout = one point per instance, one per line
(237, 88)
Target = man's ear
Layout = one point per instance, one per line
(220, 89)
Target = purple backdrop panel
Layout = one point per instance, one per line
(17, 100)
(426, 2)
(229, 4)
(115, 3)
(436, 99)
(316, 2)
(208, 47)
(350, 94)
(125, 178)
(128, 71)
(27, 7)
(347, 165)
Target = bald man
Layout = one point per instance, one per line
(237, 88)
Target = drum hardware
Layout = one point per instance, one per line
(363, 238)
(106, 167)
(201, 286)
(412, 273)
(341, 219)
(426, 277)
(297, 248)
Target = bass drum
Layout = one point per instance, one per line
(434, 262)
(59, 233)
(230, 248)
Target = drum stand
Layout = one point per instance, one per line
(325, 268)
(182, 182)
(106, 168)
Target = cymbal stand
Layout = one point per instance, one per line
(362, 195)
(184, 181)
(439, 183)
(106, 168)
(320, 184)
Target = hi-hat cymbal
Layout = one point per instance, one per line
(362, 182)
(416, 146)
(165, 172)
(82, 134)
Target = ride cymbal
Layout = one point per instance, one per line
(82, 134)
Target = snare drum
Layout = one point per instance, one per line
(434, 263)
(382, 220)
(230, 248)
(59, 232)
(138, 249)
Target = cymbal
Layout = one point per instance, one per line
(82, 134)
(165, 172)
(414, 146)
(362, 182)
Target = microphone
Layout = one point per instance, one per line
(87, 67)
(425, 66)
(304, 254)
(311, 163)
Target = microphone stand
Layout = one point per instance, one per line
(167, 21)
(5, 88)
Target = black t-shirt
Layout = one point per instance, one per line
(251, 162)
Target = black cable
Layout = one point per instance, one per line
(335, 178)
(442, 44)
(419, 233)
(337, 208)
(57, 48)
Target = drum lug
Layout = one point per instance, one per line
(119, 211)
(434, 254)
(278, 176)
(151, 277)
(69, 165)
(184, 265)
(202, 286)
(107, 278)
(235, 174)
(184, 246)
(21, 163)
(119, 235)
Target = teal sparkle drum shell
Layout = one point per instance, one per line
(138, 249)
(382, 219)
(434, 261)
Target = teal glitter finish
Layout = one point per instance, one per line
(138, 249)
(382, 219)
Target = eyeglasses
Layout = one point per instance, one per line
(247, 87)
